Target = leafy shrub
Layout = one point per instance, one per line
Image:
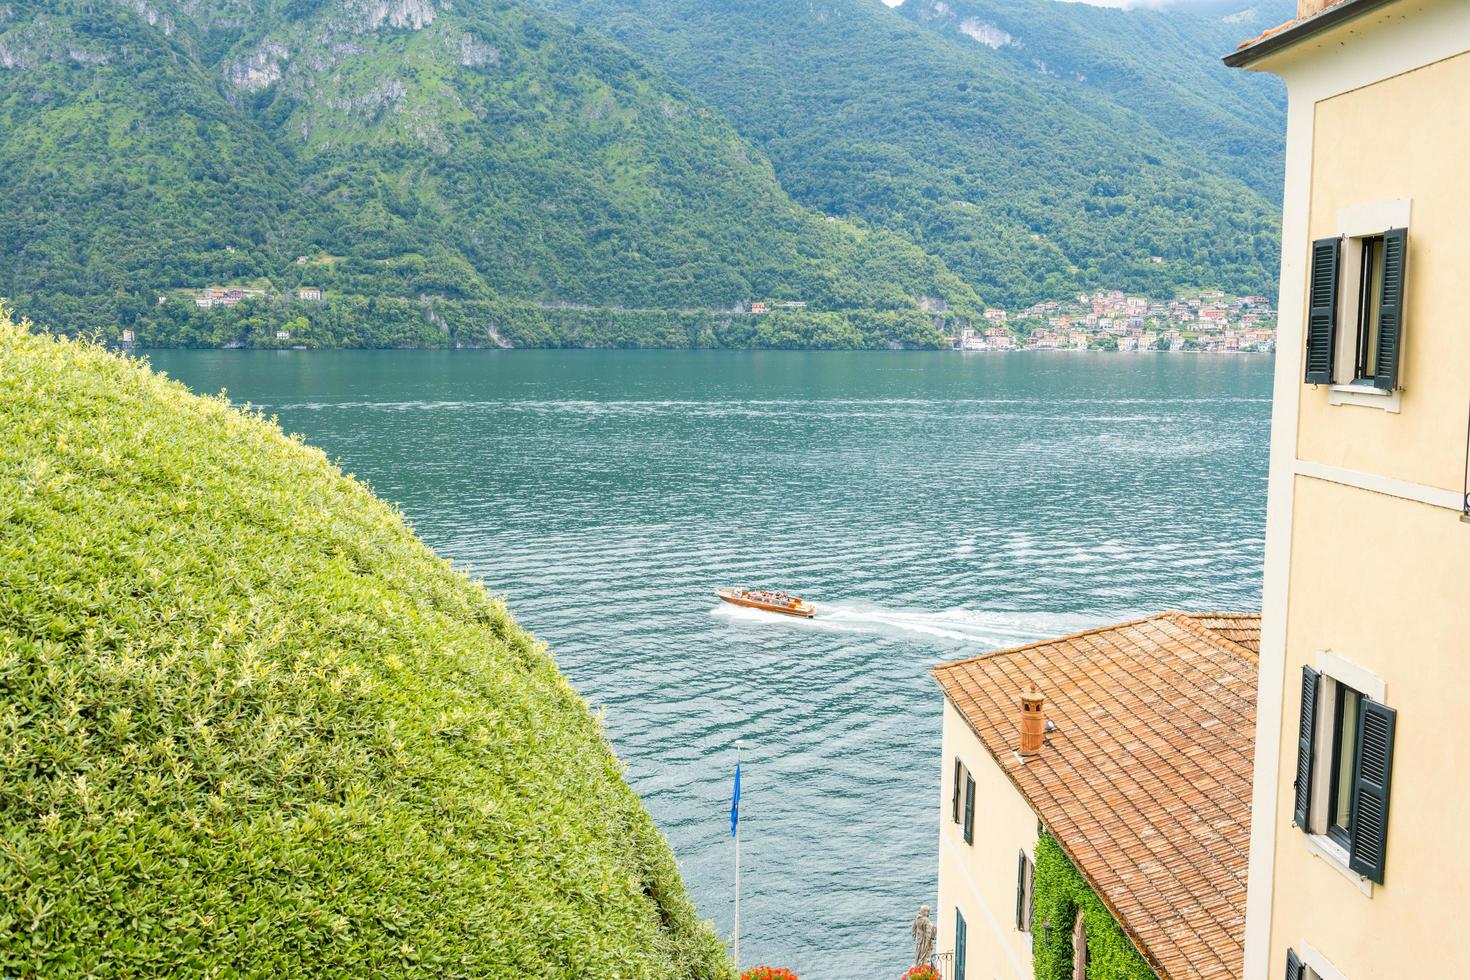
(1062, 894)
(252, 726)
(921, 973)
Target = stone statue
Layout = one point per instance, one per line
(924, 933)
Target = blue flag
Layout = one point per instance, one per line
(735, 803)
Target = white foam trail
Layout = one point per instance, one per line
(971, 627)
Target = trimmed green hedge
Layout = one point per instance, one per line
(1060, 894)
(252, 726)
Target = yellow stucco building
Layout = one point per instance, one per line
(1361, 778)
(1122, 755)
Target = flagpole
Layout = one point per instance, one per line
(737, 871)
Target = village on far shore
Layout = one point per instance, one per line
(1207, 322)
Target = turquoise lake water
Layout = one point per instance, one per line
(933, 505)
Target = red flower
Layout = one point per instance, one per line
(768, 973)
(921, 973)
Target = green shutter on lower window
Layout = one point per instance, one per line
(969, 809)
(1306, 748)
(1021, 891)
(961, 940)
(1391, 309)
(1322, 311)
(1293, 965)
(1372, 772)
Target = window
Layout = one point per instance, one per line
(1344, 750)
(1344, 765)
(969, 808)
(959, 945)
(959, 779)
(1358, 344)
(1370, 299)
(1025, 900)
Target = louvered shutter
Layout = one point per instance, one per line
(1322, 311)
(959, 771)
(1020, 891)
(1306, 748)
(1391, 309)
(1371, 772)
(961, 940)
(1293, 965)
(969, 809)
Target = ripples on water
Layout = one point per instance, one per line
(934, 506)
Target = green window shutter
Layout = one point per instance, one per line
(1322, 311)
(960, 938)
(959, 770)
(969, 809)
(1372, 770)
(1021, 891)
(1306, 748)
(1293, 965)
(1391, 309)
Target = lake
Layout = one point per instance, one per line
(933, 505)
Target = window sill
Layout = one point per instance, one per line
(1336, 855)
(1364, 395)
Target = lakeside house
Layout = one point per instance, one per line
(1128, 750)
(1355, 868)
(212, 296)
(309, 294)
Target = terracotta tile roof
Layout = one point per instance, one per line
(1317, 11)
(1146, 783)
(1242, 628)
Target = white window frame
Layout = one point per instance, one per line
(1355, 224)
(1334, 671)
(1315, 966)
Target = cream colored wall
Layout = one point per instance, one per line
(1406, 137)
(981, 878)
(1400, 610)
(1358, 465)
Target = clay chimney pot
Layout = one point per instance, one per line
(1033, 721)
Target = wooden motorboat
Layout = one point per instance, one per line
(776, 602)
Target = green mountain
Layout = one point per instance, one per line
(1162, 65)
(1037, 147)
(449, 172)
(253, 727)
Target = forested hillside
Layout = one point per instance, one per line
(1161, 64)
(1035, 146)
(447, 172)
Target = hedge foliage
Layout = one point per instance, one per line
(252, 726)
(1061, 894)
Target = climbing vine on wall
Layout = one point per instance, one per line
(1061, 894)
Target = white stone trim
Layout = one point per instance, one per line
(1318, 963)
(1372, 482)
(1373, 218)
(1360, 679)
(1329, 850)
(1280, 499)
(1003, 936)
(1365, 396)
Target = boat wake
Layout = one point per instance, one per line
(968, 627)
